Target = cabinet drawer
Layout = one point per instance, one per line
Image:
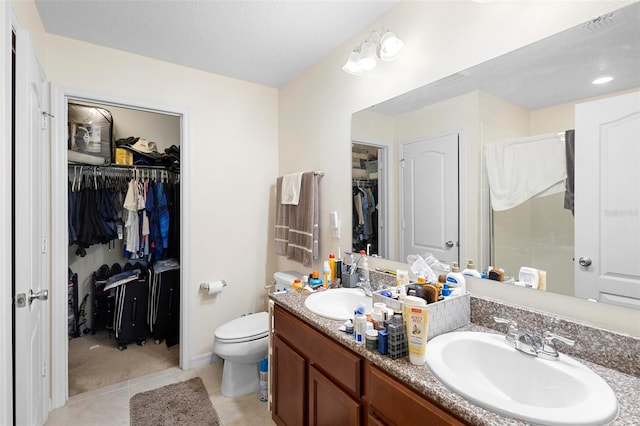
(395, 404)
(342, 365)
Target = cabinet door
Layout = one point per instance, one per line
(328, 404)
(289, 382)
(396, 404)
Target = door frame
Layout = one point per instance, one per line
(6, 257)
(60, 95)
(462, 217)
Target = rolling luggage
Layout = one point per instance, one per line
(131, 302)
(164, 302)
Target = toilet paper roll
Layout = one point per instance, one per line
(215, 287)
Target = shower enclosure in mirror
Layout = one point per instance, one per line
(529, 92)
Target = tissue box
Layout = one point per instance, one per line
(444, 316)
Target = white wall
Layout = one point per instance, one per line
(441, 38)
(233, 144)
(234, 158)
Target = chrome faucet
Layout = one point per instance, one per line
(365, 286)
(525, 342)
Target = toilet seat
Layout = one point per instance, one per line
(244, 329)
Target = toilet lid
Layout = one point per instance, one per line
(248, 327)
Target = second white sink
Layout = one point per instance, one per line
(338, 303)
(484, 370)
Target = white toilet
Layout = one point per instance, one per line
(242, 343)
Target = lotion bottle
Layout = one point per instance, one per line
(416, 318)
(471, 270)
(456, 280)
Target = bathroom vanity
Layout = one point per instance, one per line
(318, 381)
(321, 376)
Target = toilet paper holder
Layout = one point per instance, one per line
(205, 286)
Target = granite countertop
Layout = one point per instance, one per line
(420, 378)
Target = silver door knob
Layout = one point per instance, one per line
(41, 295)
(584, 261)
(449, 244)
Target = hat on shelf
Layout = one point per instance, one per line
(144, 146)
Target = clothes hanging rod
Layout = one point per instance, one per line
(121, 167)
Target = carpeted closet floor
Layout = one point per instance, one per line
(96, 362)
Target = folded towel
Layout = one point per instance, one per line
(291, 188)
(519, 169)
(304, 222)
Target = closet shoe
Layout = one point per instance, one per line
(115, 269)
(102, 274)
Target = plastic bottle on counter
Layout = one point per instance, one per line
(359, 325)
(456, 280)
(365, 267)
(471, 270)
(332, 266)
(326, 272)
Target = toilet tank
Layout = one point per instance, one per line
(284, 279)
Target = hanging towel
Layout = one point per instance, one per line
(523, 168)
(291, 188)
(304, 222)
(569, 142)
(282, 221)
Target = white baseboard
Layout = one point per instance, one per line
(204, 360)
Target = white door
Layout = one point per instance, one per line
(607, 200)
(429, 198)
(31, 394)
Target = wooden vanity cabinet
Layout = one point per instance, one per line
(317, 381)
(392, 403)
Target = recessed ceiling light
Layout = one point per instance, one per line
(602, 80)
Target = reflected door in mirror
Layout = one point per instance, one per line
(607, 200)
(429, 198)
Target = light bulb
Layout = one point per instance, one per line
(351, 66)
(367, 60)
(390, 46)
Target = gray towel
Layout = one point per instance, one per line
(297, 228)
(569, 144)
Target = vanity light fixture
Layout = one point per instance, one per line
(602, 80)
(385, 46)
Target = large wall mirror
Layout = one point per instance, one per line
(526, 93)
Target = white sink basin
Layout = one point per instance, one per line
(338, 303)
(482, 368)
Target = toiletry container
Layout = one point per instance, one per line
(315, 279)
(416, 317)
(471, 270)
(456, 280)
(359, 325)
(365, 268)
(326, 274)
(332, 267)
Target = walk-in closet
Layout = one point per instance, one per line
(365, 212)
(124, 243)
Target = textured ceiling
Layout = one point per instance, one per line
(267, 42)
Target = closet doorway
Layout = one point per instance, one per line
(369, 199)
(85, 351)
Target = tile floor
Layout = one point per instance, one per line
(109, 406)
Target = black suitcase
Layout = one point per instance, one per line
(164, 302)
(131, 302)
